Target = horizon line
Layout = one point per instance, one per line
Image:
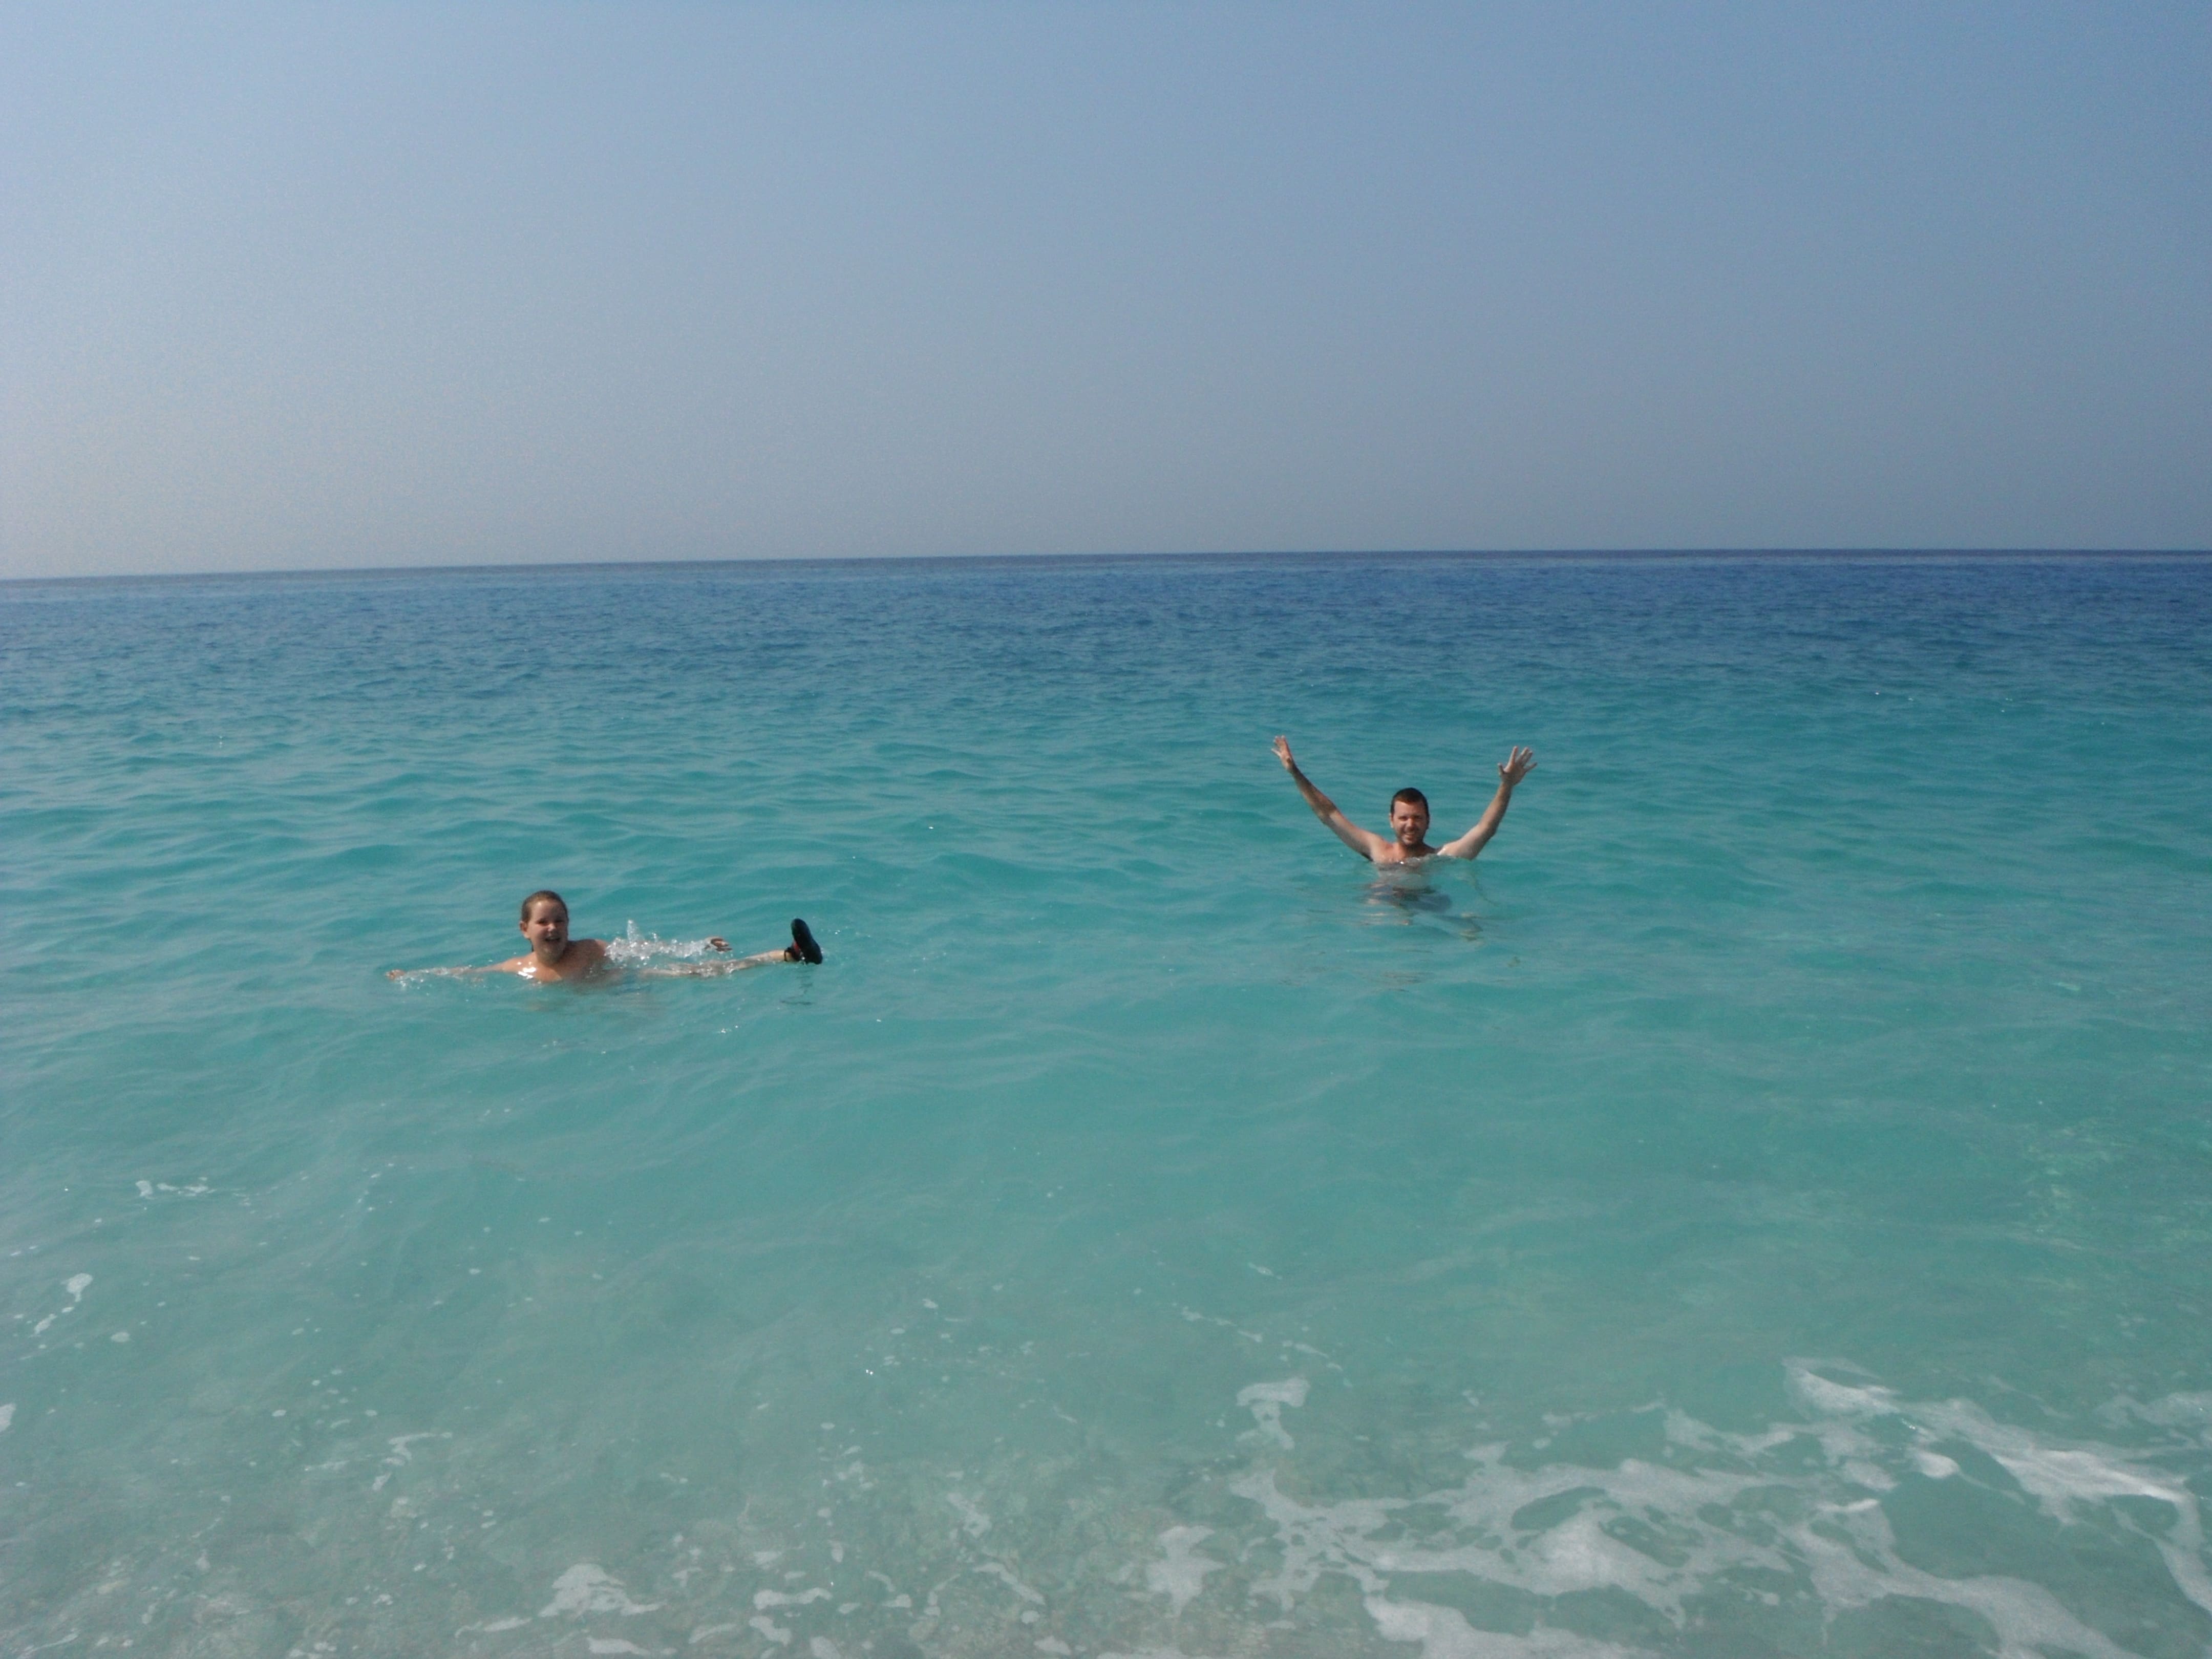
(819, 561)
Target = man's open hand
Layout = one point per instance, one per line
(1283, 754)
(1513, 768)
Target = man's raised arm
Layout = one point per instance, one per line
(1510, 770)
(1365, 843)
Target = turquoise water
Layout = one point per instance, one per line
(1762, 1206)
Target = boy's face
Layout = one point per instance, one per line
(1409, 823)
(546, 927)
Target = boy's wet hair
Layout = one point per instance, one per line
(541, 893)
(1411, 797)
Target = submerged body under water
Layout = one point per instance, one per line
(1759, 1207)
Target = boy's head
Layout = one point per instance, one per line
(544, 895)
(1409, 817)
(545, 920)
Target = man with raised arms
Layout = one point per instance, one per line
(1409, 815)
(553, 954)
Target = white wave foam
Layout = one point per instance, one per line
(766, 1599)
(589, 1588)
(1265, 1400)
(1007, 1575)
(1725, 1514)
(1444, 1633)
(197, 1189)
(973, 1520)
(1180, 1574)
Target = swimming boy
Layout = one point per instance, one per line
(553, 954)
(1409, 815)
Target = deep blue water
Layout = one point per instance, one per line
(1761, 1206)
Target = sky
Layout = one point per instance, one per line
(294, 286)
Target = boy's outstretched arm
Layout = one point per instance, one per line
(1365, 842)
(1510, 770)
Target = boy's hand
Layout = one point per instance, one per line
(1283, 754)
(1517, 766)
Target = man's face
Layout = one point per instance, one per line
(546, 927)
(1409, 823)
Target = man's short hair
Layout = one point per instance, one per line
(1412, 798)
(541, 893)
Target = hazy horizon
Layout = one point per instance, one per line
(1686, 555)
(391, 287)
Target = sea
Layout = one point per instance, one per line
(1762, 1206)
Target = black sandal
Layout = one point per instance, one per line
(802, 940)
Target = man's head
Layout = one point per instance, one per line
(545, 921)
(1409, 817)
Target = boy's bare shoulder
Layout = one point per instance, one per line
(583, 955)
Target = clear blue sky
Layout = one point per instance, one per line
(306, 286)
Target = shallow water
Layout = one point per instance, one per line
(1761, 1206)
